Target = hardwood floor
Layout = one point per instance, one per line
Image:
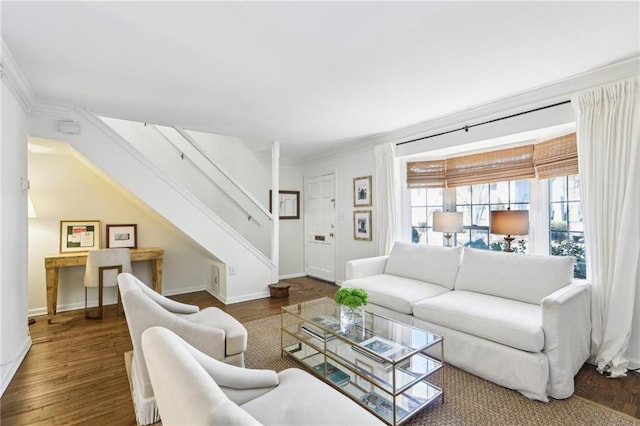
(74, 372)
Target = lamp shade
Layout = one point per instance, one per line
(509, 222)
(447, 221)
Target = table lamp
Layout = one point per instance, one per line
(447, 222)
(509, 222)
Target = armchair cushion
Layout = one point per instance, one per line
(188, 391)
(235, 333)
(184, 390)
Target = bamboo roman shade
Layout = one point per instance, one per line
(495, 166)
(555, 157)
(426, 174)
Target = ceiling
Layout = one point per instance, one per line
(314, 76)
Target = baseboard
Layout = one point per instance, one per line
(244, 298)
(9, 369)
(286, 277)
(92, 303)
(183, 290)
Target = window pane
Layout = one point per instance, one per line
(500, 192)
(418, 235)
(565, 214)
(480, 215)
(423, 203)
(463, 195)
(575, 216)
(419, 216)
(434, 196)
(557, 215)
(464, 237)
(520, 191)
(466, 215)
(434, 238)
(573, 188)
(557, 189)
(418, 197)
(480, 194)
(499, 206)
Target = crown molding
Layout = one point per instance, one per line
(14, 79)
(548, 94)
(20, 87)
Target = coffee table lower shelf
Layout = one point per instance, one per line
(364, 388)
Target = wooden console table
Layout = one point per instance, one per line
(53, 263)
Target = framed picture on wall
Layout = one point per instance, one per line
(79, 235)
(119, 236)
(362, 225)
(362, 191)
(288, 205)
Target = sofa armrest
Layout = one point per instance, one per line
(566, 322)
(239, 384)
(367, 267)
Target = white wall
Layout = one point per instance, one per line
(236, 158)
(346, 167)
(65, 188)
(14, 337)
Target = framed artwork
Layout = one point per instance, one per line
(122, 236)
(362, 191)
(362, 225)
(288, 205)
(79, 235)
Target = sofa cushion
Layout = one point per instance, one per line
(509, 322)
(527, 278)
(432, 264)
(394, 292)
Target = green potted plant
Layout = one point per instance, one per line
(351, 301)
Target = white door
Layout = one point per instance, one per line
(320, 227)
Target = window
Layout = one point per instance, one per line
(424, 201)
(548, 168)
(566, 231)
(476, 201)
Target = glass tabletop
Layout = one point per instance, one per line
(380, 338)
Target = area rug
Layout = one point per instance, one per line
(469, 400)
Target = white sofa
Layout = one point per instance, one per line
(520, 321)
(195, 389)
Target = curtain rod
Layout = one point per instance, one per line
(466, 128)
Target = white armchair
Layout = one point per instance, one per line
(211, 330)
(195, 389)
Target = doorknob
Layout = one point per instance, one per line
(331, 234)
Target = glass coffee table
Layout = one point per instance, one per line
(392, 369)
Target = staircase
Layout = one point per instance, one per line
(171, 172)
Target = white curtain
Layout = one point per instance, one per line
(385, 197)
(608, 136)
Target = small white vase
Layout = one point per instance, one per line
(350, 317)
